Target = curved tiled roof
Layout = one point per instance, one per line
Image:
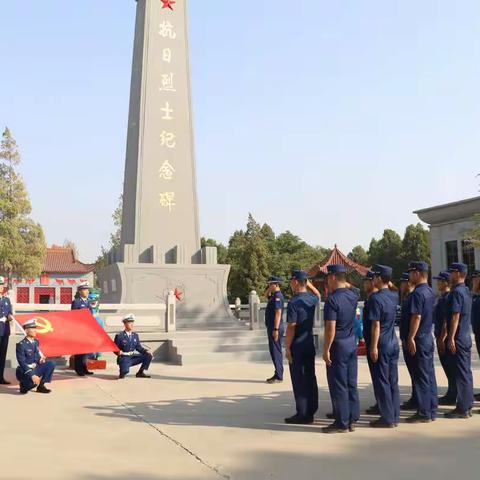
(62, 260)
(337, 257)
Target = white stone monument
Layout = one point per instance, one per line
(160, 243)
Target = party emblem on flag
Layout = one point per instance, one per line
(43, 325)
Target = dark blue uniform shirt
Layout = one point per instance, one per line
(367, 325)
(405, 318)
(301, 312)
(28, 354)
(440, 313)
(476, 314)
(275, 302)
(5, 310)
(460, 301)
(81, 303)
(422, 302)
(341, 306)
(383, 309)
(129, 343)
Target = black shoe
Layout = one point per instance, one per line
(409, 405)
(43, 389)
(418, 418)
(477, 397)
(298, 420)
(381, 423)
(80, 374)
(142, 375)
(373, 410)
(274, 379)
(121, 377)
(458, 414)
(24, 391)
(4, 382)
(330, 416)
(351, 427)
(333, 428)
(446, 401)
(88, 372)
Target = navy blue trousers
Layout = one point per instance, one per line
(462, 362)
(126, 362)
(80, 363)
(385, 382)
(342, 382)
(304, 383)
(275, 349)
(410, 366)
(424, 379)
(449, 369)
(477, 343)
(42, 370)
(3, 354)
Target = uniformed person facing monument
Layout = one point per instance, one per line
(384, 349)
(33, 370)
(459, 340)
(420, 344)
(476, 313)
(132, 352)
(6, 317)
(340, 351)
(440, 314)
(81, 302)
(300, 347)
(275, 327)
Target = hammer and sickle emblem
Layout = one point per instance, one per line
(43, 325)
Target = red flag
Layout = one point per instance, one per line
(69, 333)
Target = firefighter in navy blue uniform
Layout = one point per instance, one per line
(132, 352)
(459, 340)
(300, 347)
(439, 318)
(369, 289)
(340, 350)
(384, 349)
(476, 313)
(406, 289)
(6, 317)
(420, 344)
(274, 325)
(33, 370)
(81, 302)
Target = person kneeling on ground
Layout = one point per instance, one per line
(34, 370)
(129, 344)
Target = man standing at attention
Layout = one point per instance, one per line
(300, 347)
(274, 324)
(6, 317)
(340, 351)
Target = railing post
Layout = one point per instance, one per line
(171, 320)
(254, 307)
(238, 308)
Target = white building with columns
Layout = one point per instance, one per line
(449, 224)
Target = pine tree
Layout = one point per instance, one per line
(22, 243)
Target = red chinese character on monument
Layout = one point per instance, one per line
(168, 4)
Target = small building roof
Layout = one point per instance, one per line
(63, 260)
(450, 212)
(337, 257)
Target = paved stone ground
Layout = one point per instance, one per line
(193, 423)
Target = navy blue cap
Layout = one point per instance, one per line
(458, 267)
(369, 276)
(299, 275)
(274, 279)
(418, 266)
(476, 274)
(382, 270)
(405, 277)
(445, 276)
(337, 268)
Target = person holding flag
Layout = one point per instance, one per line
(81, 302)
(33, 370)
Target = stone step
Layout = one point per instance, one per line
(219, 348)
(222, 357)
(193, 341)
(209, 334)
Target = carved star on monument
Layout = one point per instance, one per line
(168, 4)
(178, 294)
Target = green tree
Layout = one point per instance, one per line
(387, 251)
(22, 242)
(473, 234)
(415, 244)
(359, 255)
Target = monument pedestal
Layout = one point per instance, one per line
(200, 289)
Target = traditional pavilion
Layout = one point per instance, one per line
(355, 271)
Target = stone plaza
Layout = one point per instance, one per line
(217, 422)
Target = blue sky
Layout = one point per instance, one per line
(334, 120)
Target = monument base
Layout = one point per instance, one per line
(200, 289)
